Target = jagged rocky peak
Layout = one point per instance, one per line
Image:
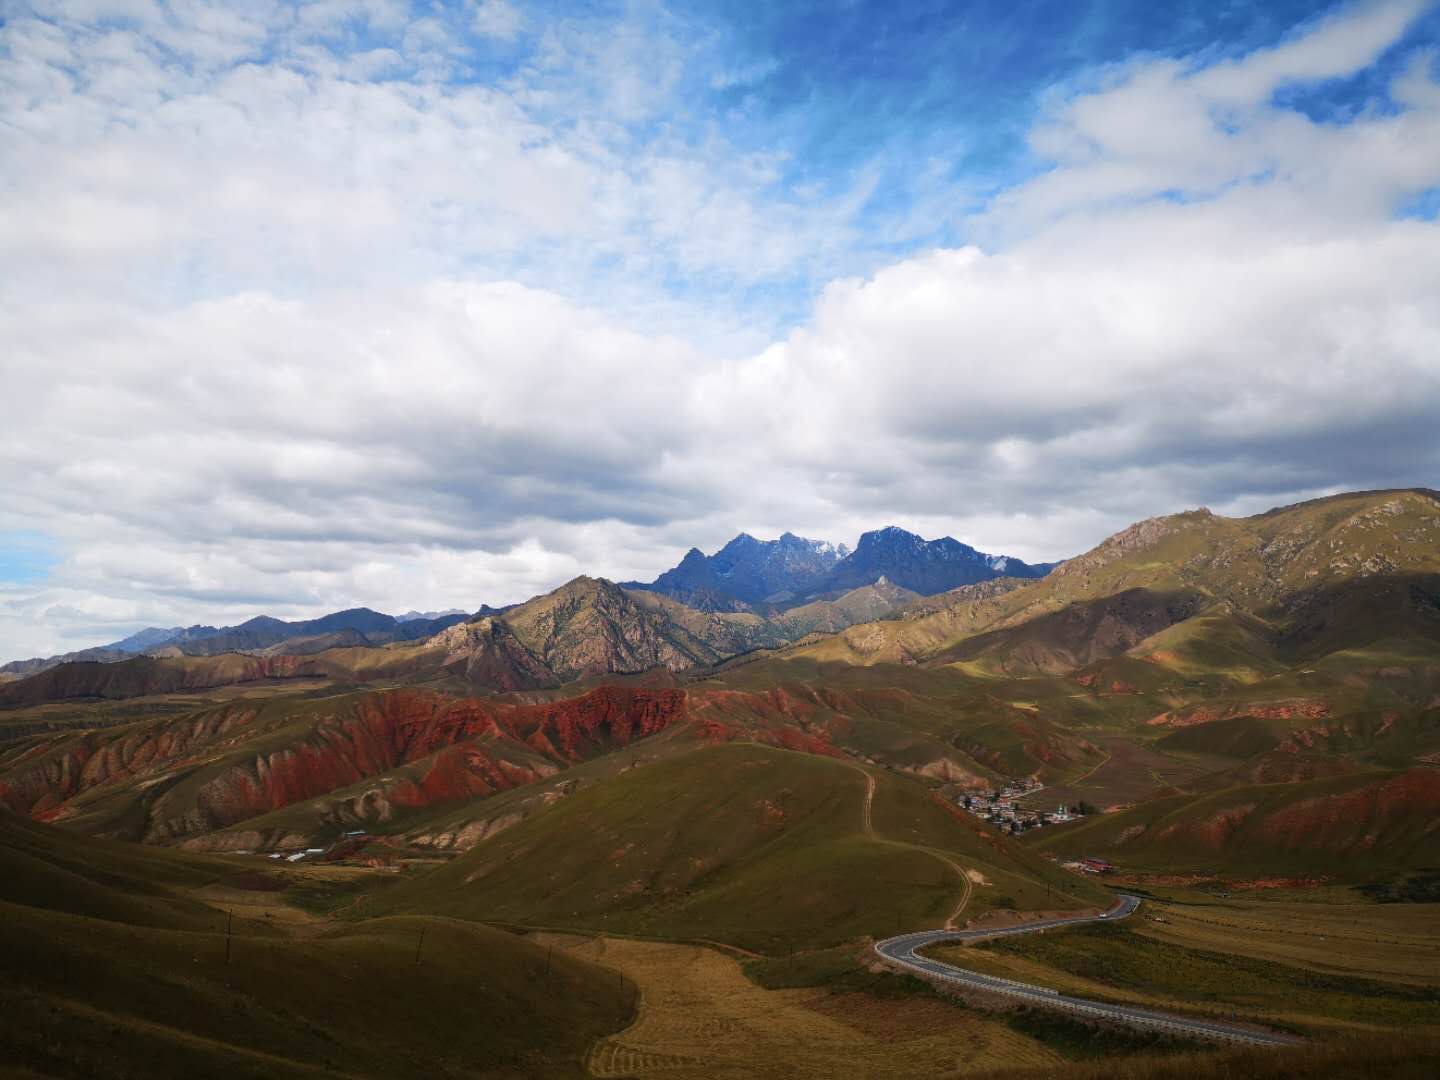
(747, 571)
(761, 575)
(925, 566)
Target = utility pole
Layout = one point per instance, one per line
(419, 945)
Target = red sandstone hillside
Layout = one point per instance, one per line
(169, 779)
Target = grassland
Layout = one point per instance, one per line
(1363, 827)
(700, 1017)
(1362, 1057)
(761, 848)
(1131, 772)
(1339, 936)
(115, 966)
(1147, 963)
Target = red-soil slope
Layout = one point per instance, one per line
(165, 780)
(363, 757)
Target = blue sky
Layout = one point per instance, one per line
(420, 306)
(920, 112)
(26, 557)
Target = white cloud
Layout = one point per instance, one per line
(497, 19)
(269, 359)
(1165, 128)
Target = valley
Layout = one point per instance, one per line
(699, 819)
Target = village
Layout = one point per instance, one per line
(1001, 807)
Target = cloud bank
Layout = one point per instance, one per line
(303, 309)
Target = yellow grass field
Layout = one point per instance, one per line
(700, 1017)
(1392, 951)
(1393, 942)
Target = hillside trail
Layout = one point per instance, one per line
(1109, 757)
(868, 826)
(869, 802)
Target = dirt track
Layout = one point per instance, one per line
(966, 884)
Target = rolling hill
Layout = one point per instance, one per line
(1356, 828)
(113, 968)
(1184, 657)
(758, 847)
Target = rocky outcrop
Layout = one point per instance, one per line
(592, 627)
(923, 566)
(487, 652)
(747, 573)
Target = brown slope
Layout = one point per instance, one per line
(867, 603)
(592, 627)
(487, 653)
(143, 675)
(1077, 635)
(1253, 565)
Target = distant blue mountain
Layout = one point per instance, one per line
(358, 626)
(924, 566)
(749, 574)
(149, 638)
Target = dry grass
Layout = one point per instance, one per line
(1131, 773)
(1393, 942)
(700, 1017)
(1318, 968)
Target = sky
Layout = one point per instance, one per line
(428, 305)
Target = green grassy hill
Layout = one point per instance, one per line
(111, 969)
(745, 844)
(1364, 827)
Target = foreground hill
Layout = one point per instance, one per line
(113, 969)
(745, 844)
(141, 676)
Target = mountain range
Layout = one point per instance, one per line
(782, 579)
(768, 575)
(1292, 646)
(1238, 707)
(356, 626)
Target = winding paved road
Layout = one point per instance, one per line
(903, 951)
